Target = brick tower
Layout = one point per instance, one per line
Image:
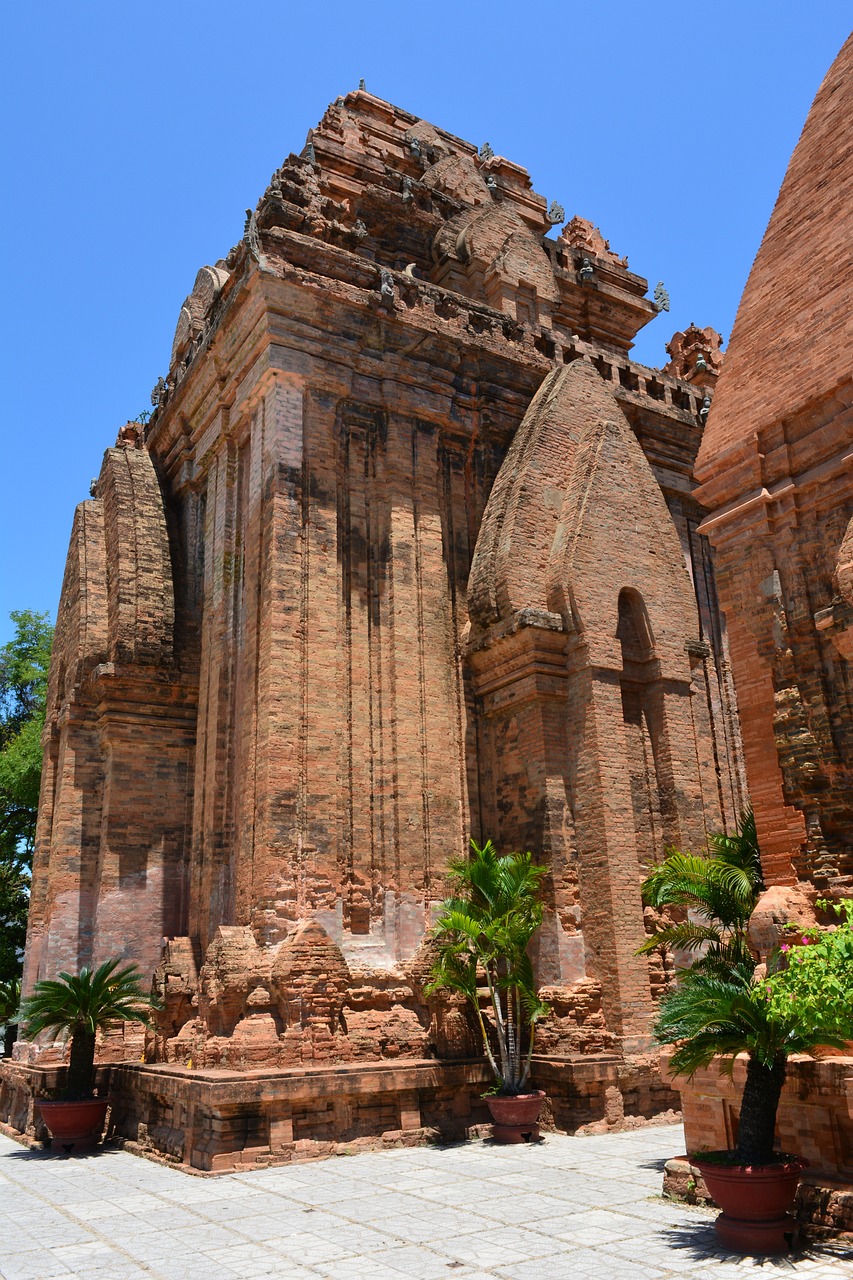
(407, 552)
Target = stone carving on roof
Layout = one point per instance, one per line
(196, 309)
(580, 233)
(695, 355)
(457, 176)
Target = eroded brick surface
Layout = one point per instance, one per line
(407, 553)
(774, 465)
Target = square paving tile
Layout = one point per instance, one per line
(574, 1208)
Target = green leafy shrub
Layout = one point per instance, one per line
(813, 985)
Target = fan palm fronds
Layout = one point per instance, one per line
(707, 1016)
(83, 1004)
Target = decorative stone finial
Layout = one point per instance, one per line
(361, 84)
(491, 184)
(661, 297)
(93, 487)
(129, 436)
(587, 272)
(581, 234)
(415, 148)
(486, 151)
(556, 213)
(251, 236)
(705, 410)
(158, 395)
(308, 153)
(407, 190)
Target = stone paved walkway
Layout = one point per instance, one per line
(570, 1207)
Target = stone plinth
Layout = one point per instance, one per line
(215, 1120)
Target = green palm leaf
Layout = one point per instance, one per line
(83, 1004)
(719, 891)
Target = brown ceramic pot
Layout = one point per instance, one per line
(515, 1118)
(74, 1126)
(755, 1200)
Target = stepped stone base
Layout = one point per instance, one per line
(217, 1119)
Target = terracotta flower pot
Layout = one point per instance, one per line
(515, 1118)
(74, 1126)
(755, 1200)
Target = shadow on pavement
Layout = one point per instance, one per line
(699, 1243)
(50, 1153)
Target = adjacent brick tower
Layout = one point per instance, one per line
(775, 466)
(407, 552)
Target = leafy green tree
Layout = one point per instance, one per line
(81, 1005)
(720, 891)
(10, 998)
(483, 932)
(24, 663)
(14, 905)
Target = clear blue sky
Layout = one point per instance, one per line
(136, 134)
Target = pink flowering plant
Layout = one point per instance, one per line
(812, 985)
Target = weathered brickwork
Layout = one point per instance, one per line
(775, 470)
(774, 465)
(408, 552)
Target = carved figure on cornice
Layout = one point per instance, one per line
(386, 287)
(251, 235)
(158, 395)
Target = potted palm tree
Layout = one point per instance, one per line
(483, 931)
(804, 1002)
(80, 1005)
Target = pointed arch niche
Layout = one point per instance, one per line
(642, 716)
